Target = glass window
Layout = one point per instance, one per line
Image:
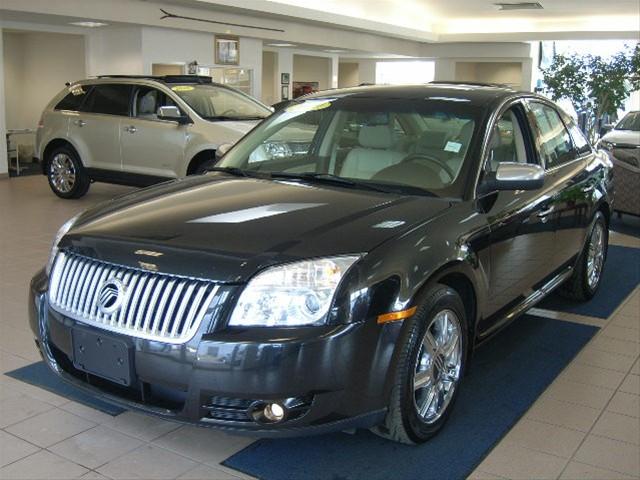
(507, 141)
(212, 102)
(420, 145)
(148, 100)
(73, 100)
(580, 142)
(553, 138)
(108, 99)
(631, 121)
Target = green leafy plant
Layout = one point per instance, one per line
(595, 85)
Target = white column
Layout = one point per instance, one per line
(285, 65)
(4, 166)
(333, 71)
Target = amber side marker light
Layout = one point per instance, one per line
(395, 316)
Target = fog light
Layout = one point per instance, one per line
(274, 412)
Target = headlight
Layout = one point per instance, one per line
(290, 295)
(61, 233)
(606, 145)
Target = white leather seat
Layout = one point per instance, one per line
(373, 154)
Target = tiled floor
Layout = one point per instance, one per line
(586, 425)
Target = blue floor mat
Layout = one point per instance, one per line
(620, 276)
(506, 377)
(40, 375)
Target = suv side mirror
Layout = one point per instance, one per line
(515, 176)
(172, 113)
(222, 149)
(606, 128)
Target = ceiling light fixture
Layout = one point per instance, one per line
(281, 45)
(519, 6)
(335, 51)
(89, 24)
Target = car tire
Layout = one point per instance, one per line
(423, 367)
(584, 282)
(67, 176)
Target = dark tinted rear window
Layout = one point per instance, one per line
(73, 100)
(108, 99)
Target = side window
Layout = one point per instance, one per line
(147, 101)
(73, 100)
(553, 138)
(579, 140)
(108, 99)
(507, 142)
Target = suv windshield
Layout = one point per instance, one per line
(213, 102)
(400, 145)
(631, 121)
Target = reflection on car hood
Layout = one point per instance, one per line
(226, 229)
(238, 128)
(625, 137)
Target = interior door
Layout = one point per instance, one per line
(522, 238)
(151, 146)
(96, 127)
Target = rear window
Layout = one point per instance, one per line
(108, 99)
(73, 100)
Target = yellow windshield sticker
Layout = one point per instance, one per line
(182, 88)
(308, 106)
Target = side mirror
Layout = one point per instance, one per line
(515, 176)
(173, 114)
(222, 149)
(605, 129)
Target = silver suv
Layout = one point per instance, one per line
(138, 130)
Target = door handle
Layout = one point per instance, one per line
(543, 215)
(131, 129)
(80, 123)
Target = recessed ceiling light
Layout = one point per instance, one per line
(281, 45)
(335, 51)
(89, 24)
(519, 6)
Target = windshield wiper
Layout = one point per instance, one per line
(231, 118)
(238, 172)
(353, 183)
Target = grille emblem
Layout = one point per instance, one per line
(110, 296)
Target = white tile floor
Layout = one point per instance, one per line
(585, 426)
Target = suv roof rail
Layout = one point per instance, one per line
(475, 84)
(166, 78)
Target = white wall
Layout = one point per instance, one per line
(36, 67)
(312, 69)
(270, 94)
(116, 50)
(348, 74)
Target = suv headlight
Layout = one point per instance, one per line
(295, 294)
(61, 233)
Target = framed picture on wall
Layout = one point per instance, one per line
(227, 50)
(284, 78)
(285, 92)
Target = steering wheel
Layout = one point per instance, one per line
(413, 157)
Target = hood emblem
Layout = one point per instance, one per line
(110, 296)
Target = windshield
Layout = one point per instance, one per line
(417, 143)
(213, 102)
(631, 121)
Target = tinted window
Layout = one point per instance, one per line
(108, 99)
(73, 100)
(631, 121)
(579, 140)
(507, 141)
(554, 140)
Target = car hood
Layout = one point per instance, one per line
(623, 137)
(233, 128)
(226, 228)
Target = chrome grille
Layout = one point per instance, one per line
(152, 305)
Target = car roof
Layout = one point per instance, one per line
(476, 93)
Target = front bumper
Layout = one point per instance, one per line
(334, 376)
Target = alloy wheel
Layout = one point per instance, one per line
(438, 366)
(62, 173)
(595, 255)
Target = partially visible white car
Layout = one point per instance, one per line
(139, 130)
(623, 146)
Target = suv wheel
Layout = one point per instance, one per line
(584, 282)
(429, 370)
(66, 174)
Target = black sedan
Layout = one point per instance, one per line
(336, 269)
